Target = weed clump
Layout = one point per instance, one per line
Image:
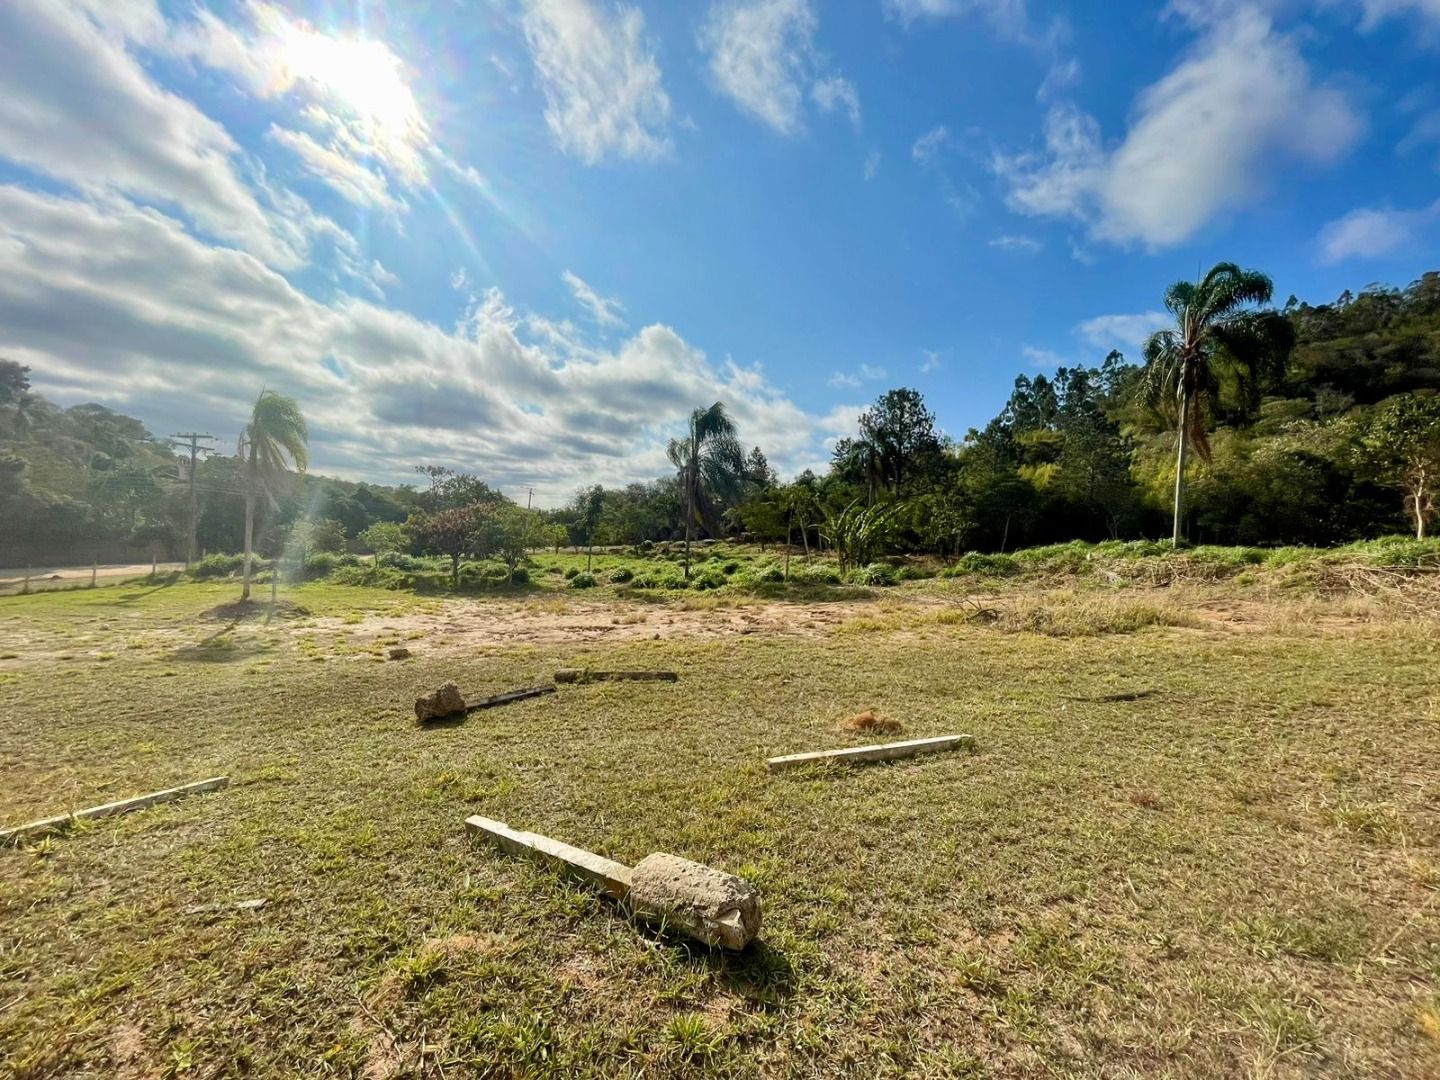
(869, 720)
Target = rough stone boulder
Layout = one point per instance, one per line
(699, 901)
(446, 701)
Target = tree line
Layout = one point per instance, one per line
(1241, 424)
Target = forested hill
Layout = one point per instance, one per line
(1074, 455)
(89, 482)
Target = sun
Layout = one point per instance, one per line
(362, 79)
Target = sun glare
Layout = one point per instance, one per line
(362, 78)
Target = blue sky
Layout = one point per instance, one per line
(524, 237)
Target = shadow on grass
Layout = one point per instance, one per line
(156, 583)
(218, 648)
(760, 973)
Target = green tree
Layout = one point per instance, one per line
(328, 535)
(711, 468)
(384, 538)
(275, 438)
(590, 506)
(508, 533)
(1220, 334)
(1404, 441)
(450, 532)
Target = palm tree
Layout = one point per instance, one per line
(1220, 334)
(275, 438)
(711, 467)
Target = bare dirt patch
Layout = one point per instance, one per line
(468, 625)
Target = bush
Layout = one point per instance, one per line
(581, 580)
(215, 566)
(553, 570)
(816, 575)
(983, 566)
(659, 579)
(709, 579)
(522, 576)
(622, 575)
(730, 568)
(917, 573)
(876, 574)
(768, 574)
(571, 573)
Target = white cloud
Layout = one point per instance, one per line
(602, 83)
(357, 87)
(872, 165)
(1063, 75)
(932, 362)
(119, 304)
(1123, 331)
(1009, 19)
(459, 280)
(836, 92)
(851, 380)
(76, 106)
(604, 312)
(1042, 358)
(1376, 11)
(762, 56)
(927, 146)
(1370, 234)
(1208, 138)
(1014, 242)
(343, 174)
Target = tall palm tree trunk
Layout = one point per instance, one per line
(1181, 455)
(249, 526)
(689, 513)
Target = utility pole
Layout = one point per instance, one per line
(530, 495)
(192, 438)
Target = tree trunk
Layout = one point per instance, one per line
(589, 553)
(789, 529)
(689, 516)
(455, 571)
(1181, 456)
(249, 526)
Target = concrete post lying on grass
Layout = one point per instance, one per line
(607, 875)
(699, 901)
(858, 755)
(54, 824)
(585, 675)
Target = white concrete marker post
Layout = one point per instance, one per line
(858, 755)
(677, 894)
(124, 806)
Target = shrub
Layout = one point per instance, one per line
(581, 580)
(709, 579)
(521, 576)
(876, 574)
(213, 566)
(816, 575)
(571, 573)
(983, 566)
(553, 570)
(622, 575)
(768, 574)
(320, 565)
(917, 573)
(730, 568)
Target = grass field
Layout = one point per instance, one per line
(1200, 835)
